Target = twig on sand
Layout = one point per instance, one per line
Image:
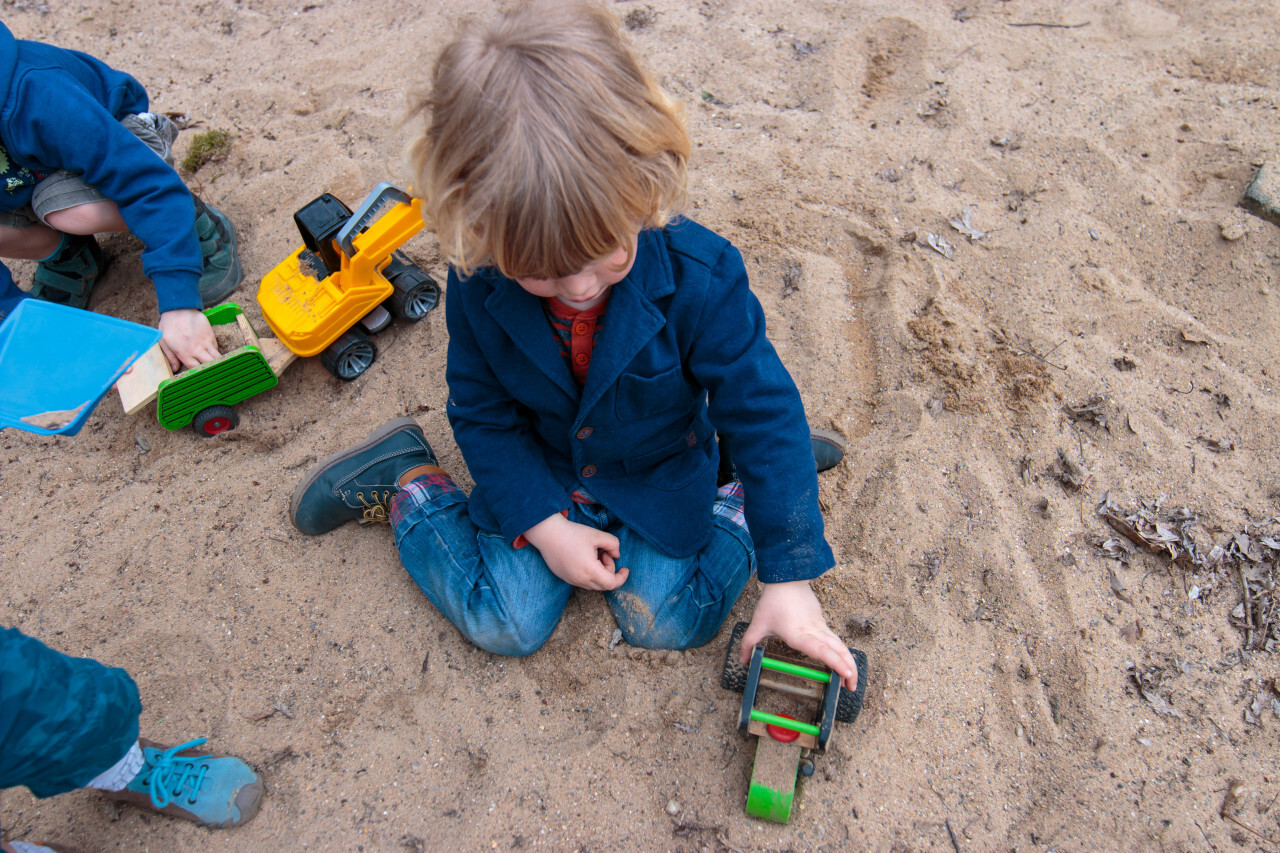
(955, 842)
(1248, 828)
(1044, 358)
(1248, 610)
(1049, 25)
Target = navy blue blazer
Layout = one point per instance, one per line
(682, 353)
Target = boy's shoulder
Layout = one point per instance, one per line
(689, 239)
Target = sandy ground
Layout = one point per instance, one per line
(1108, 327)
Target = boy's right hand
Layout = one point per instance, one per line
(578, 554)
(187, 338)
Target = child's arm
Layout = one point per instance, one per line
(578, 554)
(791, 612)
(74, 131)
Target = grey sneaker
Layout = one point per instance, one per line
(222, 273)
(157, 130)
(359, 482)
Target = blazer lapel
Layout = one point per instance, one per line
(631, 320)
(520, 315)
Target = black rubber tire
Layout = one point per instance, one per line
(350, 355)
(734, 675)
(215, 420)
(416, 293)
(849, 705)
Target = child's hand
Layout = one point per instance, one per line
(188, 339)
(578, 554)
(791, 612)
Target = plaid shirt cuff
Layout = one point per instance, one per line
(729, 504)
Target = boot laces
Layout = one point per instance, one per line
(377, 509)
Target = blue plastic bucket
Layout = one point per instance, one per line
(57, 363)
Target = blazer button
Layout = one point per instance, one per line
(585, 432)
(589, 471)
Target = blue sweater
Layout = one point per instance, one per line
(62, 110)
(683, 355)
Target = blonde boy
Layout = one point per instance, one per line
(597, 348)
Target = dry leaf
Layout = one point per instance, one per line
(1092, 409)
(1071, 473)
(1193, 338)
(1133, 632)
(965, 226)
(1120, 549)
(1118, 587)
(1148, 687)
(1216, 445)
(941, 246)
(1235, 790)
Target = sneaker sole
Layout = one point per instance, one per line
(391, 427)
(832, 439)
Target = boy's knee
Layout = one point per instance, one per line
(95, 217)
(510, 644)
(662, 630)
(513, 635)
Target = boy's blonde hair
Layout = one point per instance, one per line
(547, 145)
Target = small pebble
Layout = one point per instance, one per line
(1232, 231)
(144, 446)
(673, 807)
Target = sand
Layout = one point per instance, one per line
(1108, 326)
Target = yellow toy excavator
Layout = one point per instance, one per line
(342, 275)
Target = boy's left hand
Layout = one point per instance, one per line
(188, 339)
(791, 612)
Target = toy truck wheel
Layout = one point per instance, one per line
(215, 420)
(849, 704)
(349, 356)
(734, 675)
(416, 293)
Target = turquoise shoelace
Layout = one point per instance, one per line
(171, 773)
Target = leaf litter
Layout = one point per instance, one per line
(1148, 682)
(1092, 410)
(1253, 554)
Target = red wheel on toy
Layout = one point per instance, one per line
(780, 734)
(215, 420)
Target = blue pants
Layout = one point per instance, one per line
(10, 293)
(63, 720)
(507, 601)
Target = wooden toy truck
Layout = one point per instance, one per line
(787, 745)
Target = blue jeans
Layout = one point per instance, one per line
(507, 601)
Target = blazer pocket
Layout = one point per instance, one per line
(642, 396)
(675, 465)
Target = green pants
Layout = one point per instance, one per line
(63, 720)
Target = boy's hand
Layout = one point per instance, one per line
(188, 339)
(791, 612)
(578, 554)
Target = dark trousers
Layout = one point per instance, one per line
(63, 720)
